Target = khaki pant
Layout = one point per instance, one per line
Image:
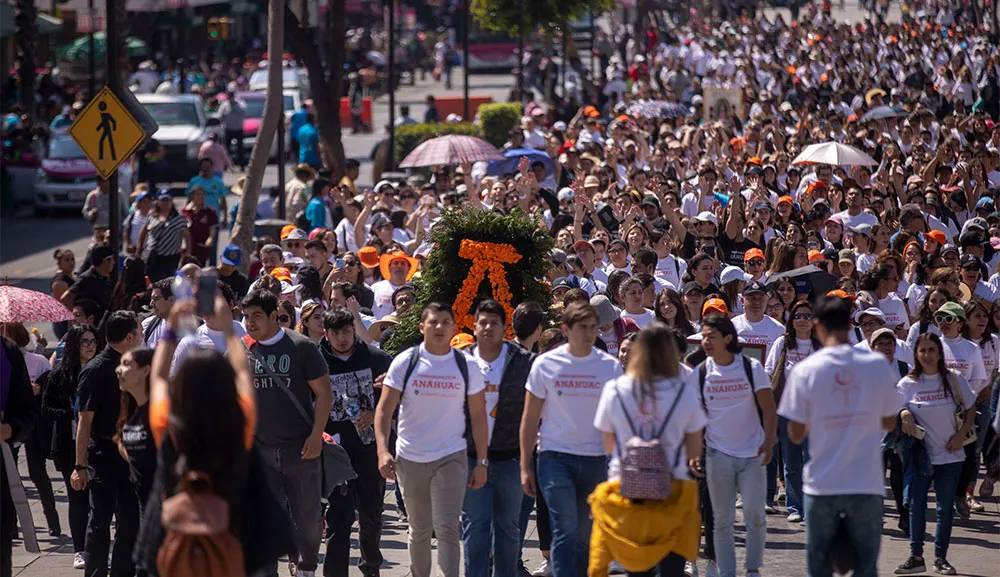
(434, 493)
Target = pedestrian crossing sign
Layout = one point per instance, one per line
(106, 132)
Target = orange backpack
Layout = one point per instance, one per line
(197, 540)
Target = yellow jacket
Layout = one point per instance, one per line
(639, 536)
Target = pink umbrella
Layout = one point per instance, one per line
(18, 305)
(451, 149)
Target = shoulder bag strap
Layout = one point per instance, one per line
(628, 419)
(702, 376)
(670, 413)
(748, 368)
(956, 390)
(411, 365)
(463, 368)
(291, 396)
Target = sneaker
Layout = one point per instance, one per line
(912, 566)
(943, 567)
(543, 570)
(770, 510)
(739, 501)
(616, 569)
(691, 569)
(79, 561)
(304, 573)
(975, 505)
(962, 508)
(522, 571)
(986, 488)
(711, 569)
(794, 518)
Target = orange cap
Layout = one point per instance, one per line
(716, 306)
(368, 255)
(752, 254)
(816, 256)
(754, 160)
(938, 237)
(841, 294)
(787, 199)
(282, 273)
(462, 340)
(591, 112)
(287, 230)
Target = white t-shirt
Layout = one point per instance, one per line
(934, 410)
(803, 348)
(345, 237)
(382, 306)
(853, 221)
(37, 364)
(991, 356)
(641, 319)
(610, 339)
(492, 374)
(203, 338)
(895, 311)
(647, 415)
(903, 351)
(734, 426)
(571, 388)
(842, 394)
(155, 334)
(911, 337)
(964, 357)
(763, 332)
(432, 407)
(914, 297)
(671, 269)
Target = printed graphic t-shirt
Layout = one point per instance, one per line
(733, 423)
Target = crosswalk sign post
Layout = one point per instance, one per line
(108, 134)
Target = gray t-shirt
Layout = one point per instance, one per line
(294, 360)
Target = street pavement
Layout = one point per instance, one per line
(974, 551)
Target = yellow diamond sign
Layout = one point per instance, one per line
(106, 132)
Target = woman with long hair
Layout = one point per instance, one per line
(625, 347)
(693, 297)
(795, 233)
(311, 322)
(775, 306)
(615, 281)
(635, 237)
(791, 256)
(59, 412)
(785, 289)
(932, 397)
(925, 315)
(798, 342)
(354, 271)
(670, 310)
(64, 278)
(130, 286)
(287, 316)
(132, 432)
(881, 238)
(651, 395)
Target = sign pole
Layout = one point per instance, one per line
(91, 56)
(111, 61)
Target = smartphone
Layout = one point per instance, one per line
(339, 263)
(921, 433)
(206, 295)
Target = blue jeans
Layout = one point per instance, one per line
(794, 456)
(490, 521)
(862, 517)
(566, 481)
(726, 475)
(945, 483)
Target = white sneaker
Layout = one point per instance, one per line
(794, 518)
(691, 569)
(79, 561)
(543, 570)
(739, 501)
(711, 569)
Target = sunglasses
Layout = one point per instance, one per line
(802, 316)
(350, 263)
(755, 263)
(284, 319)
(293, 244)
(406, 197)
(946, 318)
(88, 342)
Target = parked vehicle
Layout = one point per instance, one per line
(66, 176)
(254, 102)
(183, 129)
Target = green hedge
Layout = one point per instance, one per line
(497, 119)
(409, 136)
(446, 271)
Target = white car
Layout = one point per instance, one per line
(183, 129)
(66, 176)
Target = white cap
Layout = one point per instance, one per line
(707, 217)
(565, 193)
(871, 312)
(732, 273)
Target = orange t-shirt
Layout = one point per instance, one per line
(159, 413)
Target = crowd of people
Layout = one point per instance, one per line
(729, 331)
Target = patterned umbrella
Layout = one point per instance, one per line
(451, 149)
(656, 109)
(18, 305)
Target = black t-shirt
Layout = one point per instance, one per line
(238, 282)
(138, 440)
(94, 287)
(98, 392)
(732, 252)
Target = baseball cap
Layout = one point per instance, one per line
(969, 261)
(865, 229)
(971, 238)
(297, 234)
(846, 255)
(838, 293)
(163, 193)
(937, 236)
(949, 248)
(951, 308)
(786, 199)
(282, 273)
(582, 244)
(752, 254)
(570, 282)
(715, 306)
(762, 205)
(691, 287)
(143, 195)
(754, 287)
(869, 312)
(985, 203)
(232, 255)
(462, 340)
(884, 331)
(557, 256)
(100, 253)
(816, 256)
(707, 217)
(731, 274)
(565, 193)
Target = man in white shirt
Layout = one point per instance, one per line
(843, 482)
(567, 383)
(161, 298)
(753, 326)
(432, 384)
(855, 215)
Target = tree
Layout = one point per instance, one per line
(326, 82)
(507, 16)
(273, 116)
(25, 36)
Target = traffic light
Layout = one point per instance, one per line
(224, 24)
(214, 29)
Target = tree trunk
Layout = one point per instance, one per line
(325, 83)
(26, 34)
(273, 115)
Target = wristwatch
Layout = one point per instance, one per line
(79, 467)
(483, 463)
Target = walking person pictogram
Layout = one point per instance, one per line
(106, 127)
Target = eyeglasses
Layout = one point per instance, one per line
(88, 342)
(945, 318)
(869, 324)
(755, 263)
(802, 316)
(154, 298)
(350, 263)
(284, 319)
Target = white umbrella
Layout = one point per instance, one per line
(834, 154)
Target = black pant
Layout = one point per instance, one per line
(8, 523)
(111, 494)
(237, 152)
(35, 457)
(969, 469)
(670, 566)
(542, 520)
(79, 510)
(706, 518)
(896, 481)
(364, 495)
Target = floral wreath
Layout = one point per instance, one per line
(486, 257)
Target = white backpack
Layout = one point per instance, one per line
(645, 471)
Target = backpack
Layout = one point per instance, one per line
(748, 368)
(198, 541)
(645, 472)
